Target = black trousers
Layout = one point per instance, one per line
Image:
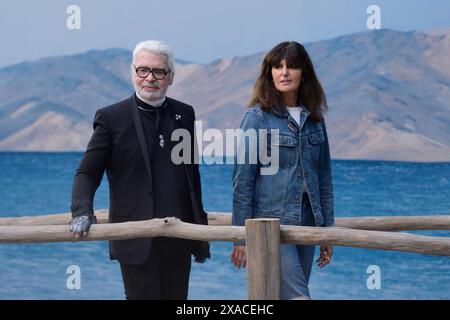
(165, 274)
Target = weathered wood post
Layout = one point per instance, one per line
(263, 259)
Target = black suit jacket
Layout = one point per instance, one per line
(118, 146)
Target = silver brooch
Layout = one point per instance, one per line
(161, 141)
(177, 117)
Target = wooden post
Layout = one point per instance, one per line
(263, 259)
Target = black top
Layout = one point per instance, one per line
(171, 192)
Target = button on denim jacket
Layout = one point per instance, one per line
(304, 156)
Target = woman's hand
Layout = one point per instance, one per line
(238, 256)
(326, 252)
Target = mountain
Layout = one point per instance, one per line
(388, 94)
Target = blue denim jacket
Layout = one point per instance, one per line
(304, 159)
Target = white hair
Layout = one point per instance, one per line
(157, 47)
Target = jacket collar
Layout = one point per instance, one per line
(283, 113)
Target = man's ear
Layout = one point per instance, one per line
(171, 78)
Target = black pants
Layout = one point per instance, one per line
(165, 274)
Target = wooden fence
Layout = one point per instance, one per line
(263, 237)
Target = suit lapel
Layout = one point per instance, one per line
(141, 137)
(180, 123)
(182, 120)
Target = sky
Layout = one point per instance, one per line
(198, 30)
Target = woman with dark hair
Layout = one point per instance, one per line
(287, 97)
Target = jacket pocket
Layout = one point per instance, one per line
(286, 145)
(316, 137)
(315, 140)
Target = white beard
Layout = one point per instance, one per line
(150, 97)
(154, 103)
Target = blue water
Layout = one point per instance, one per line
(40, 183)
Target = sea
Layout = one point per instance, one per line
(34, 184)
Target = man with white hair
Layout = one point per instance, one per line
(132, 142)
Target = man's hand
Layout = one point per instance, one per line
(238, 256)
(80, 225)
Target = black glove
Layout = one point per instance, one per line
(80, 225)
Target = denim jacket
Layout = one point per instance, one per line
(304, 160)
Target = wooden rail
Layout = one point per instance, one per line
(380, 223)
(172, 227)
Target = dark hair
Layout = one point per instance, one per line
(310, 93)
